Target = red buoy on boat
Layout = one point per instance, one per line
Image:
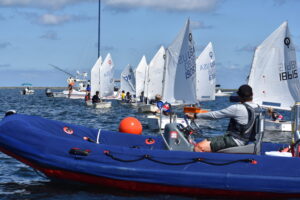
(131, 125)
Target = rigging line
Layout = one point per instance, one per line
(58, 68)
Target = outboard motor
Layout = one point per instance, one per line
(177, 137)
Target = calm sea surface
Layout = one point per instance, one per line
(18, 181)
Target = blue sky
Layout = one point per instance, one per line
(36, 33)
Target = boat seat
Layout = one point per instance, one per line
(254, 147)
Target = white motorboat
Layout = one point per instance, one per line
(220, 93)
(27, 90)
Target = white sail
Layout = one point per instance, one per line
(128, 80)
(274, 74)
(106, 77)
(154, 76)
(180, 69)
(95, 76)
(206, 74)
(140, 76)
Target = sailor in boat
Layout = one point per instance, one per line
(128, 97)
(239, 131)
(142, 97)
(88, 92)
(275, 116)
(123, 95)
(96, 98)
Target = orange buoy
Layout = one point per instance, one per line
(131, 125)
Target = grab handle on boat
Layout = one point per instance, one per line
(79, 152)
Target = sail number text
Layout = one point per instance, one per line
(287, 75)
(289, 71)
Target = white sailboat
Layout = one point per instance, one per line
(206, 74)
(127, 79)
(179, 75)
(274, 75)
(95, 76)
(106, 88)
(95, 80)
(140, 76)
(154, 79)
(80, 82)
(180, 69)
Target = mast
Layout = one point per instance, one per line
(99, 15)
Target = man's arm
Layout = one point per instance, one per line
(219, 114)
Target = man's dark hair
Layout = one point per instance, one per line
(245, 93)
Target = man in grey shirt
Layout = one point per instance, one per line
(238, 131)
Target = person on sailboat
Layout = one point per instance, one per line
(142, 97)
(88, 92)
(239, 128)
(275, 116)
(71, 83)
(96, 98)
(128, 97)
(156, 99)
(123, 95)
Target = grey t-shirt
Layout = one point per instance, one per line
(236, 111)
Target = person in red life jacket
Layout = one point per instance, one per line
(275, 116)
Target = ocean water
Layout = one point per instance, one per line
(18, 181)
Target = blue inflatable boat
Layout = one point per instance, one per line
(145, 163)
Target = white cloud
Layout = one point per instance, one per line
(174, 5)
(50, 19)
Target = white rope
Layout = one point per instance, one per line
(98, 136)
